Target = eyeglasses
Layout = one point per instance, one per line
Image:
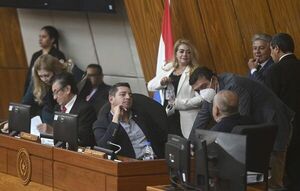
(55, 93)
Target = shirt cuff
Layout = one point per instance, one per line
(253, 70)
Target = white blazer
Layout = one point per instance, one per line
(187, 101)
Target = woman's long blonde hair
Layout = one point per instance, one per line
(50, 64)
(194, 54)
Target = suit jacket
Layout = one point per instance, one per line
(105, 130)
(255, 100)
(283, 79)
(261, 74)
(187, 102)
(86, 118)
(99, 98)
(228, 123)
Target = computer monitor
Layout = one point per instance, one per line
(220, 161)
(177, 155)
(19, 118)
(65, 130)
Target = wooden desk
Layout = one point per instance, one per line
(60, 169)
(258, 187)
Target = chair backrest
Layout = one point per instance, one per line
(260, 141)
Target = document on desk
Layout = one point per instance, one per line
(35, 121)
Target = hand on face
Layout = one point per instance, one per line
(252, 63)
(118, 112)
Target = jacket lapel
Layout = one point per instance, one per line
(182, 79)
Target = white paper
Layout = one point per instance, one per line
(46, 141)
(35, 121)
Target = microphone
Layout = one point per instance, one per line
(114, 144)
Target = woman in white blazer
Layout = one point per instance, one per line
(181, 102)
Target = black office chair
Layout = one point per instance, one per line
(260, 141)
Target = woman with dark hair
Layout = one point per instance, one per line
(48, 40)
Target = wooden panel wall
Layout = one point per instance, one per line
(221, 30)
(13, 64)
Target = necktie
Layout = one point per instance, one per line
(258, 67)
(63, 109)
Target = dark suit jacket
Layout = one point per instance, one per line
(99, 98)
(283, 79)
(86, 118)
(261, 74)
(105, 130)
(228, 123)
(255, 100)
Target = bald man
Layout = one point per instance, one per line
(226, 112)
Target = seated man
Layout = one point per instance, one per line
(95, 91)
(120, 123)
(65, 93)
(255, 100)
(226, 112)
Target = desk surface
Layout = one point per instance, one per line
(67, 170)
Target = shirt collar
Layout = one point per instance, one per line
(70, 104)
(264, 63)
(285, 55)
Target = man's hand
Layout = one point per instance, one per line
(252, 63)
(118, 113)
(5, 128)
(45, 129)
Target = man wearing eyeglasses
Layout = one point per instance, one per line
(65, 93)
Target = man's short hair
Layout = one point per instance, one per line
(65, 79)
(227, 101)
(262, 36)
(284, 42)
(113, 90)
(200, 72)
(96, 66)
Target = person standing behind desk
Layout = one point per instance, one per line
(39, 94)
(283, 79)
(94, 90)
(261, 61)
(255, 100)
(177, 95)
(48, 40)
(65, 93)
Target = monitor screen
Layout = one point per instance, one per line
(177, 154)
(19, 118)
(65, 130)
(220, 161)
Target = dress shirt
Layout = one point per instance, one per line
(70, 104)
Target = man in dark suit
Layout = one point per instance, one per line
(95, 91)
(65, 93)
(261, 61)
(283, 79)
(255, 100)
(118, 122)
(226, 112)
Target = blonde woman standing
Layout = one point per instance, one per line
(181, 102)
